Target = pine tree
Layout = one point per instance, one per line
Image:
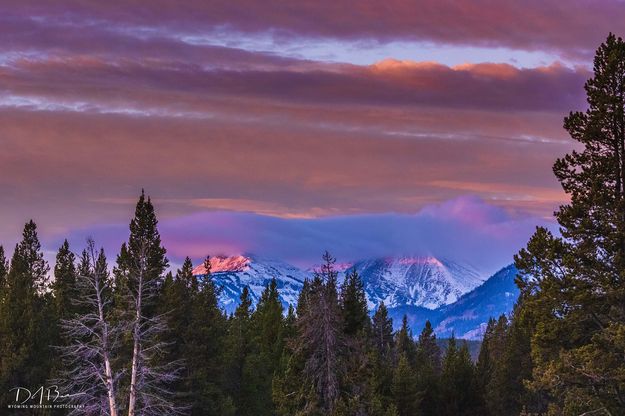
(485, 364)
(404, 342)
(64, 286)
(176, 305)
(269, 332)
(318, 349)
(382, 331)
(354, 305)
(381, 358)
(493, 369)
(237, 349)
(459, 388)
(405, 394)
(25, 351)
(356, 330)
(428, 370)
(4, 269)
(204, 353)
(139, 278)
(176, 302)
(286, 389)
(572, 286)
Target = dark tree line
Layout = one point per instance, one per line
(134, 339)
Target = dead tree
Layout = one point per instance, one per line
(149, 375)
(89, 380)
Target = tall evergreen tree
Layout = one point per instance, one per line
(405, 394)
(356, 330)
(139, 279)
(4, 269)
(428, 370)
(572, 286)
(176, 302)
(64, 286)
(493, 370)
(318, 349)
(205, 351)
(459, 388)
(404, 342)
(382, 331)
(381, 359)
(354, 305)
(269, 332)
(237, 350)
(25, 350)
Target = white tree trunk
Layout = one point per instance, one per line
(136, 349)
(108, 372)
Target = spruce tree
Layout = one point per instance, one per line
(404, 342)
(354, 305)
(428, 370)
(268, 332)
(312, 383)
(572, 286)
(405, 394)
(4, 269)
(64, 286)
(205, 351)
(382, 331)
(321, 337)
(356, 330)
(176, 302)
(237, 349)
(138, 283)
(25, 351)
(381, 358)
(459, 388)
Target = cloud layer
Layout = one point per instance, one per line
(230, 107)
(463, 229)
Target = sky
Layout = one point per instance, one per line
(286, 128)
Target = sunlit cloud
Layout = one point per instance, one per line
(306, 113)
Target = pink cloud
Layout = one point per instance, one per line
(572, 28)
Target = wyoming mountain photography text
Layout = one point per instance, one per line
(312, 208)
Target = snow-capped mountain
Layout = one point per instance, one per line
(453, 296)
(233, 273)
(417, 281)
(467, 317)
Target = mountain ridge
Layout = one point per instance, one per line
(453, 296)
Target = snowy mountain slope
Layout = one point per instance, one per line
(468, 316)
(398, 281)
(452, 296)
(232, 274)
(418, 281)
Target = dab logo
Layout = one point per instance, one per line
(42, 394)
(42, 397)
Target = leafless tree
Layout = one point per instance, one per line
(89, 379)
(93, 374)
(150, 375)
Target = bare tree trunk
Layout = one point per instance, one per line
(108, 371)
(89, 375)
(136, 336)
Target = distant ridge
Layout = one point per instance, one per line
(453, 296)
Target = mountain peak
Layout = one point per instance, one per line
(416, 280)
(237, 263)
